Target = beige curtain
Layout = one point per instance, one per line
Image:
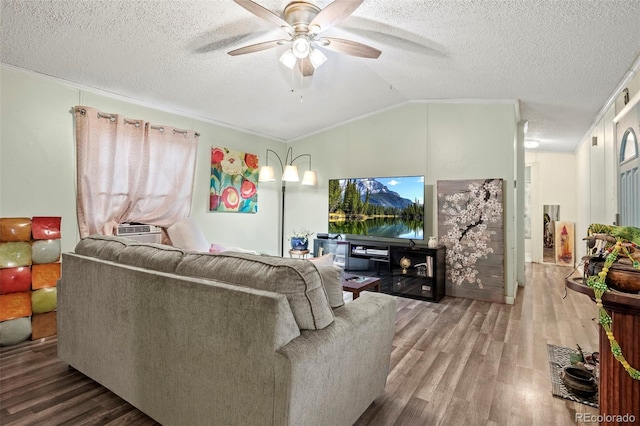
(131, 171)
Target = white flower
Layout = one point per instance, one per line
(302, 233)
(233, 164)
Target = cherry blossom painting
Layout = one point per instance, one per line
(234, 181)
(471, 226)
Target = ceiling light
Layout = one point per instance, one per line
(531, 144)
(301, 47)
(317, 58)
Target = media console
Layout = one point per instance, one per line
(416, 272)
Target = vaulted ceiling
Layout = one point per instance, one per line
(561, 59)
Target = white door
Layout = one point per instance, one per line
(628, 130)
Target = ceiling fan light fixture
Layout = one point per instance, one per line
(317, 58)
(301, 47)
(288, 59)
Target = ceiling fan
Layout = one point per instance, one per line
(303, 22)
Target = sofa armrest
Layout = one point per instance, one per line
(331, 376)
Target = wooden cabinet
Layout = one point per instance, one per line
(619, 394)
(424, 278)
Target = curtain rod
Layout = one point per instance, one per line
(112, 118)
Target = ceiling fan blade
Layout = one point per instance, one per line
(305, 66)
(349, 47)
(334, 13)
(263, 13)
(258, 47)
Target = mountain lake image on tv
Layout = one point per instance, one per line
(390, 207)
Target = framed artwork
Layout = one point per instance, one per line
(564, 244)
(550, 215)
(471, 226)
(234, 181)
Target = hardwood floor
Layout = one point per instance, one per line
(457, 362)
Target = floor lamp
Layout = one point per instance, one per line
(289, 174)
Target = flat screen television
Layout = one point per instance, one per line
(388, 207)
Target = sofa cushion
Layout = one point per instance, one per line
(103, 246)
(300, 282)
(158, 257)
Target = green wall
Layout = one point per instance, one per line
(441, 140)
(37, 158)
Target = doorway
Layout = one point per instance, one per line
(628, 130)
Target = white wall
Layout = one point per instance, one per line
(37, 159)
(597, 170)
(552, 182)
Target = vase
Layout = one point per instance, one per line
(299, 243)
(433, 242)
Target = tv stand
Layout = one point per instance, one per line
(376, 252)
(423, 279)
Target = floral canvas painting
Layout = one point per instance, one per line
(470, 225)
(234, 181)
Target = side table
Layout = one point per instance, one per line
(302, 254)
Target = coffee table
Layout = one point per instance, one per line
(357, 284)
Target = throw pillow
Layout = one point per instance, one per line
(186, 235)
(326, 260)
(331, 278)
(332, 283)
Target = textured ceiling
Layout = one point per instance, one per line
(562, 59)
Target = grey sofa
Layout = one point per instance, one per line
(228, 339)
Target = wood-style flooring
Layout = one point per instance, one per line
(457, 362)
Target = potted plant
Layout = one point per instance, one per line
(613, 245)
(300, 239)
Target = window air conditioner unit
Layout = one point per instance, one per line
(140, 232)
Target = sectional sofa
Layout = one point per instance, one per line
(222, 339)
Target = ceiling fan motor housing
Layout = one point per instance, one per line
(299, 14)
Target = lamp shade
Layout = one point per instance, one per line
(290, 174)
(266, 174)
(288, 59)
(317, 58)
(310, 178)
(301, 47)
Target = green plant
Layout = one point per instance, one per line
(625, 239)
